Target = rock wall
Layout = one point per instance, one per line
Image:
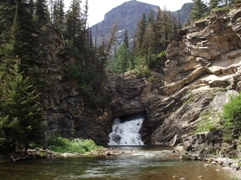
(205, 64)
(65, 110)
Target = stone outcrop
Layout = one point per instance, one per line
(125, 93)
(204, 62)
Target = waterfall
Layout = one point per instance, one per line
(126, 133)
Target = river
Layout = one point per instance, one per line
(137, 163)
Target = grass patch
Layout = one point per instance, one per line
(151, 78)
(224, 9)
(191, 97)
(62, 145)
(206, 124)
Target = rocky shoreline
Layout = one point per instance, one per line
(201, 147)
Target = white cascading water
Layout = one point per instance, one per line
(126, 133)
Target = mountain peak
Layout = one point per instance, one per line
(127, 15)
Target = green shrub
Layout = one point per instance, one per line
(232, 116)
(224, 9)
(141, 67)
(206, 124)
(191, 97)
(151, 78)
(122, 60)
(161, 54)
(63, 145)
(73, 71)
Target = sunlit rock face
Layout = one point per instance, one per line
(200, 65)
(203, 63)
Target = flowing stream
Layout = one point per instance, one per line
(138, 163)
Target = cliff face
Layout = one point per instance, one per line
(203, 68)
(205, 64)
(65, 110)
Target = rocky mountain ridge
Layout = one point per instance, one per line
(127, 15)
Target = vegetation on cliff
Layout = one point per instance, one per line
(232, 116)
(23, 26)
(153, 34)
(203, 8)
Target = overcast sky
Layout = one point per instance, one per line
(98, 8)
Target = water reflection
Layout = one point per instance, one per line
(142, 163)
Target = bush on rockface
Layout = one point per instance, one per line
(206, 124)
(232, 116)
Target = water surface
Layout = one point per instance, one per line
(138, 163)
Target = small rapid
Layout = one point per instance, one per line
(126, 133)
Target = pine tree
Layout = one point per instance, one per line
(179, 20)
(164, 26)
(90, 38)
(31, 7)
(41, 13)
(213, 3)
(7, 11)
(148, 43)
(18, 97)
(85, 14)
(111, 38)
(141, 28)
(159, 29)
(175, 27)
(121, 61)
(73, 24)
(58, 14)
(21, 34)
(199, 10)
(151, 17)
(126, 38)
(21, 120)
